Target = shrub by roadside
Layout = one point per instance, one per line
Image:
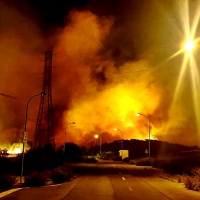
(183, 169)
(117, 158)
(62, 174)
(142, 162)
(36, 178)
(191, 182)
(127, 160)
(58, 175)
(7, 180)
(90, 160)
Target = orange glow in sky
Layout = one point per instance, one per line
(108, 65)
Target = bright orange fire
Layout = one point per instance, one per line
(95, 108)
(16, 148)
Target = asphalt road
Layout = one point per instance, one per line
(109, 181)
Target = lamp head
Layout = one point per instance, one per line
(137, 114)
(189, 45)
(96, 136)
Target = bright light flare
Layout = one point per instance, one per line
(189, 45)
(16, 148)
(15, 151)
(137, 114)
(96, 136)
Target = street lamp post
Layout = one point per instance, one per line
(25, 133)
(138, 114)
(100, 142)
(65, 135)
(116, 129)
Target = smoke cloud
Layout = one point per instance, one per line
(109, 63)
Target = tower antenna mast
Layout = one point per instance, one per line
(44, 132)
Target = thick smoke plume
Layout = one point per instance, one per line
(109, 63)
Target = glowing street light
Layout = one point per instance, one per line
(25, 133)
(96, 136)
(189, 45)
(138, 114)
(116, 129)
(65, 135)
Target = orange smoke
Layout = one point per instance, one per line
(94, 106)
(102, 76)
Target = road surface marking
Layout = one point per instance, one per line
(9, 192)
(130, 189)
(123, 178)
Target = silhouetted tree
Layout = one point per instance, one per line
(48, 151)
(72, 152)
(84, 150)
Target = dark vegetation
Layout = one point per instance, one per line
(46, 165)
(183, 168)
(137, 148)
(41, 166)
(175, 164)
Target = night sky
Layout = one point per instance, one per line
(111, 60)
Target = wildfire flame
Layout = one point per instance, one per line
(16, 148)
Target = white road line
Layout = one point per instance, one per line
(130, 189)
(123, 178)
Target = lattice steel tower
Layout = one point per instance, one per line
(44, 132)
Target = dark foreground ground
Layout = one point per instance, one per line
(108, 181)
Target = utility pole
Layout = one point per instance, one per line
(44, 132)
